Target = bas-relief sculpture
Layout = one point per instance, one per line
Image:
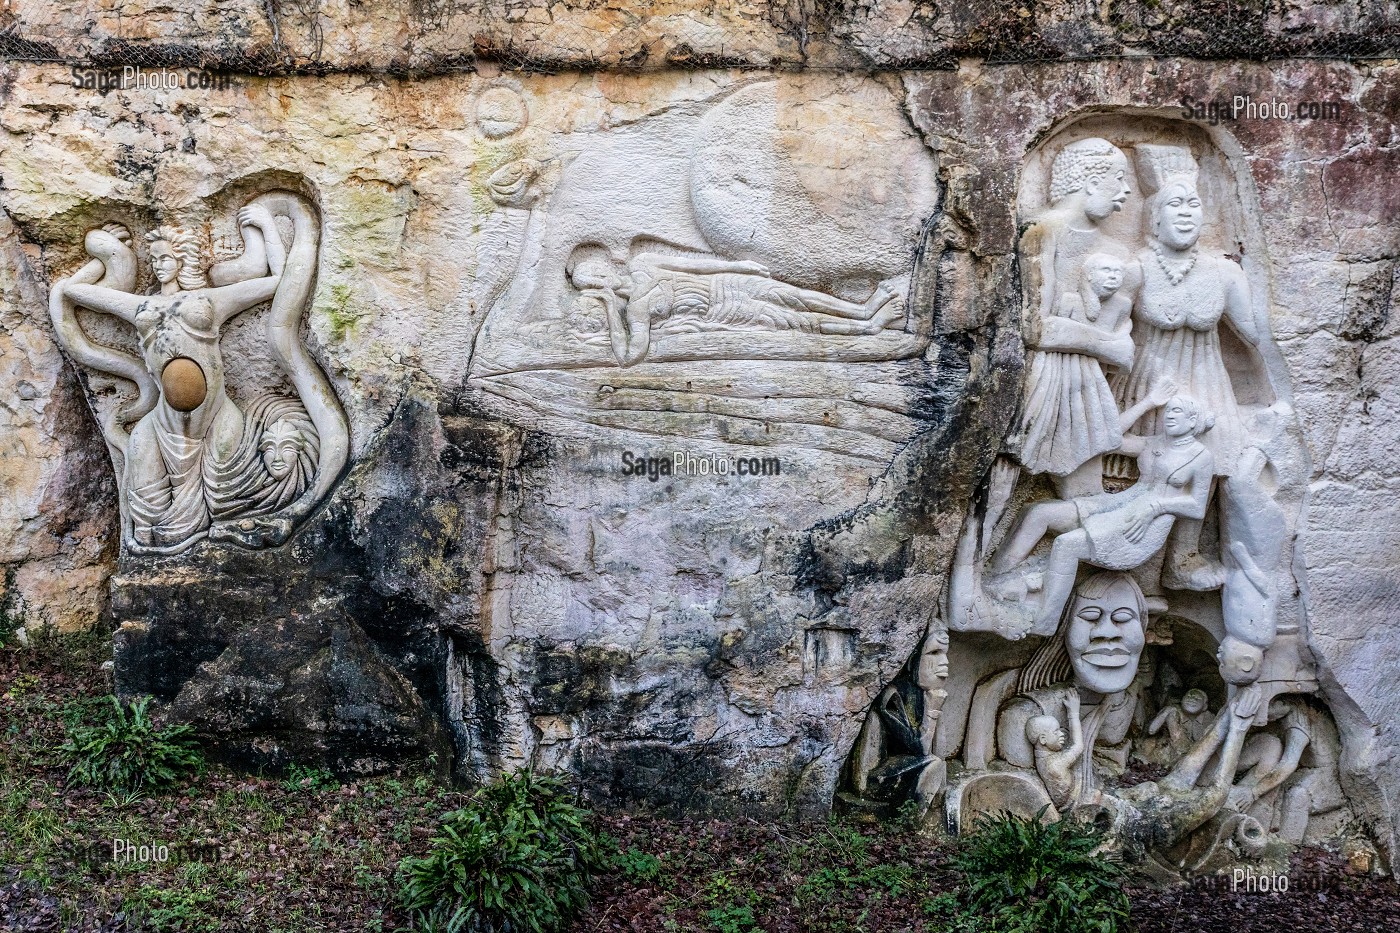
(1139, 500)
(192, 463)
(650, 275)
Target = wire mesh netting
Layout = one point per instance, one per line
(437, 36)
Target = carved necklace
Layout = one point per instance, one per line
(1174, 275)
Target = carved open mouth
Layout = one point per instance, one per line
(1108, 657)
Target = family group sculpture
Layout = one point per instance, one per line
(1159, 477)
(192, 463)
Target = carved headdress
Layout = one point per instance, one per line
(1159, 166)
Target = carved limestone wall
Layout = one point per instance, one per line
(1049, 421)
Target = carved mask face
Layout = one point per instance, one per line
(1178, 418)
(1194, 702)
(1179, 217)
(1107, 193)
(1105, 640)
(281, 445)
(164, 263)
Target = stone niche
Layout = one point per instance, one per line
(737, 442)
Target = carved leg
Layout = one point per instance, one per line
(1066, 553)
(1035, 523)
(1184, 566)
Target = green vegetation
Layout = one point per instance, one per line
(126, 751)
(1028, 875)
(519, 857)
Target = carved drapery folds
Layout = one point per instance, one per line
(1137, 527)
(192, 462)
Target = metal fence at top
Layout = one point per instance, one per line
(270, 37)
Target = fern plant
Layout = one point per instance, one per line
(127, 751)
(1026, 875)
(517, 859)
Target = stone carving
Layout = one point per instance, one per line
(631, 276)
(1165, 481)
(193, 463)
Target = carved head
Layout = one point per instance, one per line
(1184, 415)
(1045, 732)
(1175, 214)
(1096, 167)
(1240, 662)
(177, 256)
(281, 445)
(1100, 639)
(1104, 273)
(1194, 702)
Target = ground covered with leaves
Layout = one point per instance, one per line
(307, 853)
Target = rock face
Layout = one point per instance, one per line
(682, 428)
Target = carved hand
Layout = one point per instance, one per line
(1162, 392)
(1137, 528)
(256, 215)
(1244, 706)
(1072, 701)
(1241, 798)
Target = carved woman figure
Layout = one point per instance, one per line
(1070, 418)
(1185, 295)
(706, 291)
(193, 465)
(1120, 530)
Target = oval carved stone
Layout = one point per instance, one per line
(183, 384)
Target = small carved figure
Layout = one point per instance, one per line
(1120, 530)
(1070, 416)
(1054, 760)
(1185, 722)
(1305, 760)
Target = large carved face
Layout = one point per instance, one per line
(1105, 639)
(164, 263)
(1179, 216)
(1106, 193)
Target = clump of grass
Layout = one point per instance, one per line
(124, 750)
(517, 859)
(1027, 875)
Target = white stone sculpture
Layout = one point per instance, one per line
(1130, 360)
(1081, 322)
(1120, 530)
(194, 464)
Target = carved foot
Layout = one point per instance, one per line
(886, 310)
(266, 531)
(1195, 573)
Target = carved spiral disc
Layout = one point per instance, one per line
(183, 383)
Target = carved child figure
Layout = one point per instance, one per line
(1053, 761)
(1185, 722)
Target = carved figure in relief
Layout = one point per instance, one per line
(1120, 530)
(694, 293)
(1070, 418)
(1185, 722)
(1055, 759)
(1302, 760)
(1185, 295)
(195, 464)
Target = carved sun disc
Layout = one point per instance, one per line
(183, 384)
